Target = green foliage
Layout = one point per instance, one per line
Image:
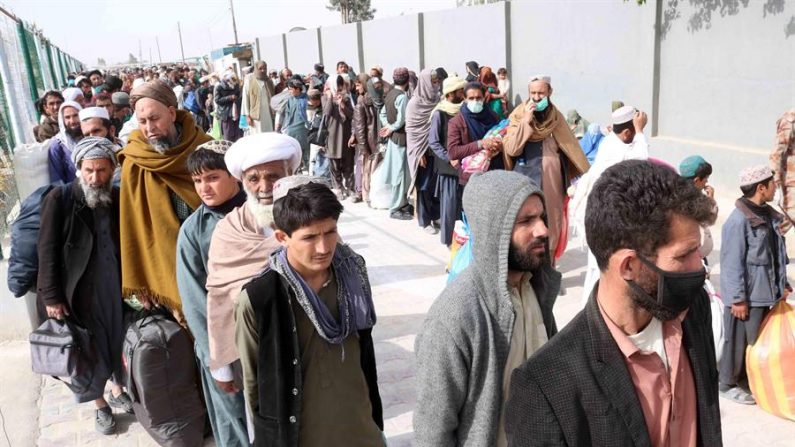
(352, 10)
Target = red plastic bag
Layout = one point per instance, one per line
(771, 362)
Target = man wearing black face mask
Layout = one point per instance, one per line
(637, 365)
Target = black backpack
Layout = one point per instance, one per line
(23, 263)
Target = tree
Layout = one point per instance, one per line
(352, 10)
(474, 2)
(132, 59)
(101, 62)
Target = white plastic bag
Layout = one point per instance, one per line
(380, 192)
(31, 167)
(717, 308)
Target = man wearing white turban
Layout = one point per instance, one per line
(242, 242)
(59, 155)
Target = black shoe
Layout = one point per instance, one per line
(408, 209)
(400, 215)
(123, 402)
(104, 421)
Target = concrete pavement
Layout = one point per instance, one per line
(406, 267)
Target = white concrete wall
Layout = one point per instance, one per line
(596, 52)
(728, 83)
(456, 36)
(302, 51)
(392, 43)
(340, 43)
(271, 50)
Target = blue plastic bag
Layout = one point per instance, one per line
(464, 256)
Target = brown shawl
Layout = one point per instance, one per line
(519, 133)
(238, 252)
(149, 226)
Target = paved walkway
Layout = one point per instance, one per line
(406, 266)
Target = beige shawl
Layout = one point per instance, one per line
(238, 252)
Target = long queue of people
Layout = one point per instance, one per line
(235, 240)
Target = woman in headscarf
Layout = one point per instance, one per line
(473, 71)
(493, 99)
(338, 113)
(294, 119)
(418, 125)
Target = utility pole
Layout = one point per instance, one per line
(234, 24)
(140, 56)
(150, 56)
(179, 30)
(159, 56)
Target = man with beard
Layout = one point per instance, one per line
(96, 79)
(59, 157)
(489, 319)
(242, 242)
(79, 246)
(95, 122)
(48, 107)
(220, 193)
(449, 191)
(256, 105)
(158, 194)
(637, 366)
(540, 145)
(393, 122)
(226, 95)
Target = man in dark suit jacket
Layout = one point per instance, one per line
(637, 365)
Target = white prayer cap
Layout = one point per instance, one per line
(623, 115)
(541, 77)
(80, 79)
(72, 93)
(262, 148)
(284, 185)
(137, 83)
(94, 112)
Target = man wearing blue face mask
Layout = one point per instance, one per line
(540, 145)
(639, 360)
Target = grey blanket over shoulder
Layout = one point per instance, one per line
(463, 346)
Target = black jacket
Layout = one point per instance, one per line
(222, 95)
(278, 418)
(577, 391)
(66, 244)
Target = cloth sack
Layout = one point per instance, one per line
(478, 162)
(771, 361)
(31, 167)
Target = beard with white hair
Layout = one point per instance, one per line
(263, 214)
(164, 144)
(96, 196)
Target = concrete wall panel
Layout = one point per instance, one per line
(727, 78)
(302, 51)
(271, 50)
(340, 43)
(596, 52)
(391, 43)
(449, 42)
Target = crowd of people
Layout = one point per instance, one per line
(216, 202)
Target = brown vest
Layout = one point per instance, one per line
(398, 136)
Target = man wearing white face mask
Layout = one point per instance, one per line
(465, 132)
(540, 145)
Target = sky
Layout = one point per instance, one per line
(111, 29)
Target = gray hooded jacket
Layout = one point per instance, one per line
(463, 346)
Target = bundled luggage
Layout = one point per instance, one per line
(161, 379)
